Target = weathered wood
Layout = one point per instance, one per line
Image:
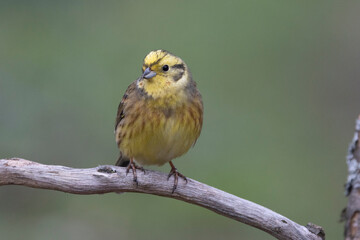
(351, 214)
(106, 179)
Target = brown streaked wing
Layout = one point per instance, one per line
(123, 161)
(120, 113)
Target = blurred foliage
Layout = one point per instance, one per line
(280, 83)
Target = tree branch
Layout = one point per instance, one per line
(351, 214)
(106, 179)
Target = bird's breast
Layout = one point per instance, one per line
(161, 134)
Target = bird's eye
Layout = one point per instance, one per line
(165, 68)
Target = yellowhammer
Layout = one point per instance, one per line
(160, 115)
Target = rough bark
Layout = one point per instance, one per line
(106, 179)
(351, 214)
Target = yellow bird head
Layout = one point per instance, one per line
(163, 74)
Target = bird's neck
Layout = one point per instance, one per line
(167, 100)
(162, 93)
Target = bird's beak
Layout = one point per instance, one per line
(148, 73)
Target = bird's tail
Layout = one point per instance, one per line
(122, 161)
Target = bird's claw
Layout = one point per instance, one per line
(133, 167)
(176, 174)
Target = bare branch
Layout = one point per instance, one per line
(106, 179)
(352, 188)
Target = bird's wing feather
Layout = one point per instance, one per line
(120, 113)
(123, 161)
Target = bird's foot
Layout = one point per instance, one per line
(133, 167)
(176, 174)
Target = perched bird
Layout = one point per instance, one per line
(160, 115)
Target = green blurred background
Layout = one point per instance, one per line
(280, 84)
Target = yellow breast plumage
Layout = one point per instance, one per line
(154, 136)
(160, 115)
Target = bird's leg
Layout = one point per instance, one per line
(133, 167)
(176, 174)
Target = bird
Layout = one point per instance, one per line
(160, 116)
